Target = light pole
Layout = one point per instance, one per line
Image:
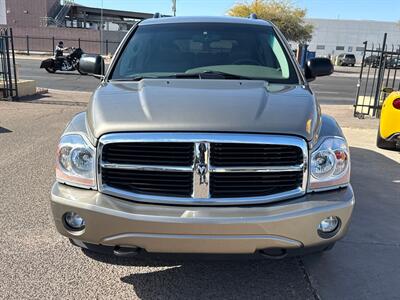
(174, 7)
(101, 28)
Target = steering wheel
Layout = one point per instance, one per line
(244, 61)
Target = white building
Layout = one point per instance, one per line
(333, 37)
(3, 19)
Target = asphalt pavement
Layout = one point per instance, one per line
(68, 81)
(338, 89)
(36, 262)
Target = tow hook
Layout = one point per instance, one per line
(126, 251)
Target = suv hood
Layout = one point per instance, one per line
(202, 105)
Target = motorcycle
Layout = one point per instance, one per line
(64, 63)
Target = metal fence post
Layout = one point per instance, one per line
(54, 44)
(79, 42)
(106, 48)
(13, 62)
(27, 44)
(382, 65)
(360, 78)
(8, 67)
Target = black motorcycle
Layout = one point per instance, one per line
(64, 63)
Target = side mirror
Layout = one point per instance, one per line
(319, 66)
(92, 64)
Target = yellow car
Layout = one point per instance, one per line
(389, 126)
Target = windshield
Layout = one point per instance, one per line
(248, 51)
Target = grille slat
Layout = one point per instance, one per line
(225, 185)
(150, 182)
(234, 154)
(166, 154)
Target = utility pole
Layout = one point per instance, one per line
(101, 28)
(174, 7)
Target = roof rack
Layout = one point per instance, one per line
(253, 16)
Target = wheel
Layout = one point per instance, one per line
(50, 69)
(384, 144)
(321, 250)
(329, 247)
(79, 70)
(316, 250)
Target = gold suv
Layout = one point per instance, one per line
(203, 137)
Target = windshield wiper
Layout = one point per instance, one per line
(198, 75)
(136, 78)
(208, 75)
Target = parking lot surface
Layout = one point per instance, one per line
(36, 262)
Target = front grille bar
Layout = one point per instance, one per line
(201, 167)
(266, 169)
(146, 167)
(212, 169)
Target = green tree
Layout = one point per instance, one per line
(288, 18)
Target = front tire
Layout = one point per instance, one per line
(51, 70)
(384, 144)
(79, 70)
(329, 247)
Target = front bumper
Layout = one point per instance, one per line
(288, 224)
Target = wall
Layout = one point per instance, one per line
(351, 34)
(26, 13)
(3, 19)
(114, 37)
(40, 39)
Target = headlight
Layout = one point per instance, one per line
(75, 162)
(330, 165)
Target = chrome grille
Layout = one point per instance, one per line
(202, 169)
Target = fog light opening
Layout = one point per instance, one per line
(73, 221)
(328, 227)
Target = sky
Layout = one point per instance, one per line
(381, 10)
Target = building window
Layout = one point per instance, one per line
(340, 48)
(360, 49)
(320, 47)
(350, 49)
